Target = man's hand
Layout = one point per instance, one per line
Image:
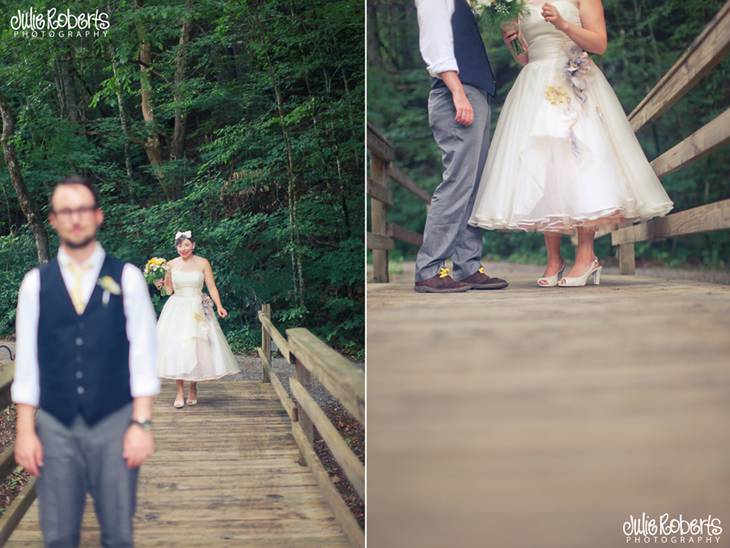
(138, 446)
(464, 110)
(29, 452)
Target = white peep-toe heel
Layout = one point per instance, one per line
(579, 281)
(552, 281)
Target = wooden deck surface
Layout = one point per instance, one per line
(225, 474)
(536, 418)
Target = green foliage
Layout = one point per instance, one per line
(645, 38)
(234, 185)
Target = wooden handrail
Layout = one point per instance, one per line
(703, 141)
(313, 358)
(337, 374)
(706, 51)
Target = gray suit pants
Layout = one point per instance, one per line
(85, 459)
(464, 153)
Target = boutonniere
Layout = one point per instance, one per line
(108, 284)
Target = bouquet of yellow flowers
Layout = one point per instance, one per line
(155, 269)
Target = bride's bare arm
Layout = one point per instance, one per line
(168, 283)
(591, 36)
(212, 289)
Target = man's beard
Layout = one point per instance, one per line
(78, 245)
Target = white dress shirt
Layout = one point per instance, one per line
(435, 35)
(141, 327)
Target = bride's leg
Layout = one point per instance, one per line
(180, 396)
(584, 253)
(193, 392)
(552, 246)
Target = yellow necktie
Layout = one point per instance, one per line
(76, 293)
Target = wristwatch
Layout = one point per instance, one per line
(145, 424)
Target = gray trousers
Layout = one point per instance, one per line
(464, 153)
(85, 459)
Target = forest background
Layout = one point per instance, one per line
(239, 120)
(645, 37)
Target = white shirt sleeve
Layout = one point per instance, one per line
(141, 332)
(26, 385)
(435, 35)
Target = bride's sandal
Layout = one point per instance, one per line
(178, 404)
(192, 402)
(552, 281)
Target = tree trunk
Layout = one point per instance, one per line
(27, 204)
(296, 258)
(125, 126)
(152, 143)
(178, 136)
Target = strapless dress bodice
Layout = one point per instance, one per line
(187, 283)
(544, 41)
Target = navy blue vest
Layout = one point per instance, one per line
(469, 50)
(83, 359)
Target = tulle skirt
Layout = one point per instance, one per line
(190, 343)
(557, 162)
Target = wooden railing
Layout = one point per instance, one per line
(707, 50)
(15, 512)
(380, 238)
(313, 359)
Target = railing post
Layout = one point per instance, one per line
(379, 224)
(626, 259)
(304, 377)
(266, 343)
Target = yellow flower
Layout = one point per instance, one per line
(556, 95)
(108, 284)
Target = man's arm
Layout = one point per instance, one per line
(436, 43)
(144, 383)
(25, 390)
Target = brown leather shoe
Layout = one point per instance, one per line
(480, 280)
(441, 283)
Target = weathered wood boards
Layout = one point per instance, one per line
(225, 473)
(533, 417)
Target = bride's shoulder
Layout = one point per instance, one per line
(202, 261)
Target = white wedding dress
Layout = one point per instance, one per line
(563, 153)
(190, 344)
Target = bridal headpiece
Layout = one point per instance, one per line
(186, 234)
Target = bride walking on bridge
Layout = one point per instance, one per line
(564, 156)
(191, 344)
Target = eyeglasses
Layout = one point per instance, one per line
(66, 213)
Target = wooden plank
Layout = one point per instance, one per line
(379, 145)
(706, 218)
(409, 184)
(627, 259)
(238, 484)
(378, 241)
(304, 376)
(286, 401)
(397, 232)
(379, 225)
(342, 513)
(699, 58)
(7, 461)
(380, 193)
(703, 141)
(17, 510)
(348, 461)
(338, 375)
(265, 344)
(7, 371)
(279, 339)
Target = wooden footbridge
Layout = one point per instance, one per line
(238, 469)
(536, 417)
